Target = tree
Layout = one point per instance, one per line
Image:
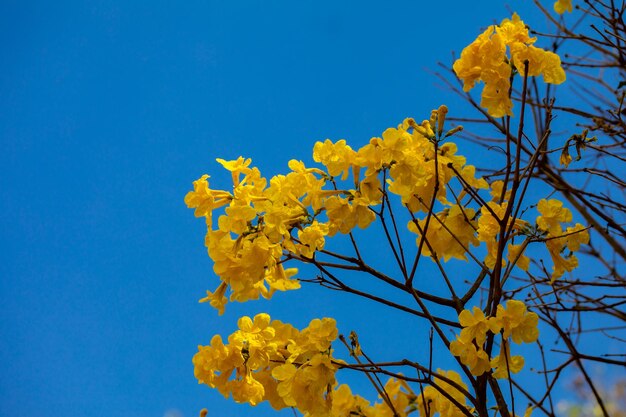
(411, 185)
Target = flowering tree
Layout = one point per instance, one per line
(521, 252)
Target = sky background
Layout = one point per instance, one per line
(110, 109)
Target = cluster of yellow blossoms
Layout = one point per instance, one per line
(265, 223)
(513, 321)
(272, 361)
(486, 60)
(553, 215)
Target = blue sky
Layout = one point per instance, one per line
(110, 109)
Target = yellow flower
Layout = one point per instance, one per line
(489, 228)
(280, 279)
(468, 173)
(431, 401)
(505, 363)
(514, 31)
(237, 217)
(345, 214)
(517, 322)
(217, 298)
(203, 199)
(347, 404)
(475, 325)
(476, 359)
(394, 144)
(370, 189)
(469, 66)
(565, 158)
(312, 238)
(562, 6)
(552, 215)
(486, 60)
(336, 157)
(306, 386)
(495, 97)
(515, 255)
(496, 191)
(576, 235)
(442, 239)
(248, 390)
(211, 360)
(254, 340)
(270, 386)
(571, 238)
(540, 62)
(561, 263)
(236, 167)
(318, 335)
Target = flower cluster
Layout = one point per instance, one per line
(272, 361)
(266, 223)
(513, 321)
(557, 239)
(486, 59)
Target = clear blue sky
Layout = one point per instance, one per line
(110, 109)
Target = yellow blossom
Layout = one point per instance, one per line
(236, 167)
(486, 60)
(468, 173)
(312, 238)
(504, 363)
(336, 157)
(450, 234)
(561, 263)
(495, 95)
(370, 189)
(517, 257)
(346, 404)
(565, 159)
(246, 390)
(305, 387)
(431, 401)
(489, 228)
(475, 325)
(345, 214)
(205, 200)
(517, 322)
(562, 6)
(496, 191)
(475, 359)
(217, 298)
(576, 236)
(553, 214)
(279, 278)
